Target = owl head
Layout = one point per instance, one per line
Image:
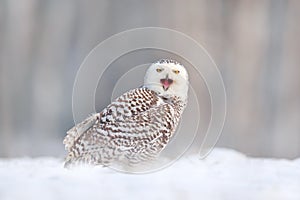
(168, 78)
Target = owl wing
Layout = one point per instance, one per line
(74, 133)
(137, 118)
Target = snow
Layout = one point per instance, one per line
(224, 174)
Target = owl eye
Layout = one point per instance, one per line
(159, 70)
(176, 71)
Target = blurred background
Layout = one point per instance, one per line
(255, 44)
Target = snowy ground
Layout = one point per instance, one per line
(224, 174)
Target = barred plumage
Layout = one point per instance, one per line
(137, 126)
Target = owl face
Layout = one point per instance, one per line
(168, 78)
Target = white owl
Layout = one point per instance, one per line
(137, 126)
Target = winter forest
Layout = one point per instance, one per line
(255, 45)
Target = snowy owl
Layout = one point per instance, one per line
(137, 126)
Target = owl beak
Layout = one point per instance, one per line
(166, 82)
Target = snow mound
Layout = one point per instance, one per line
(224, 174)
